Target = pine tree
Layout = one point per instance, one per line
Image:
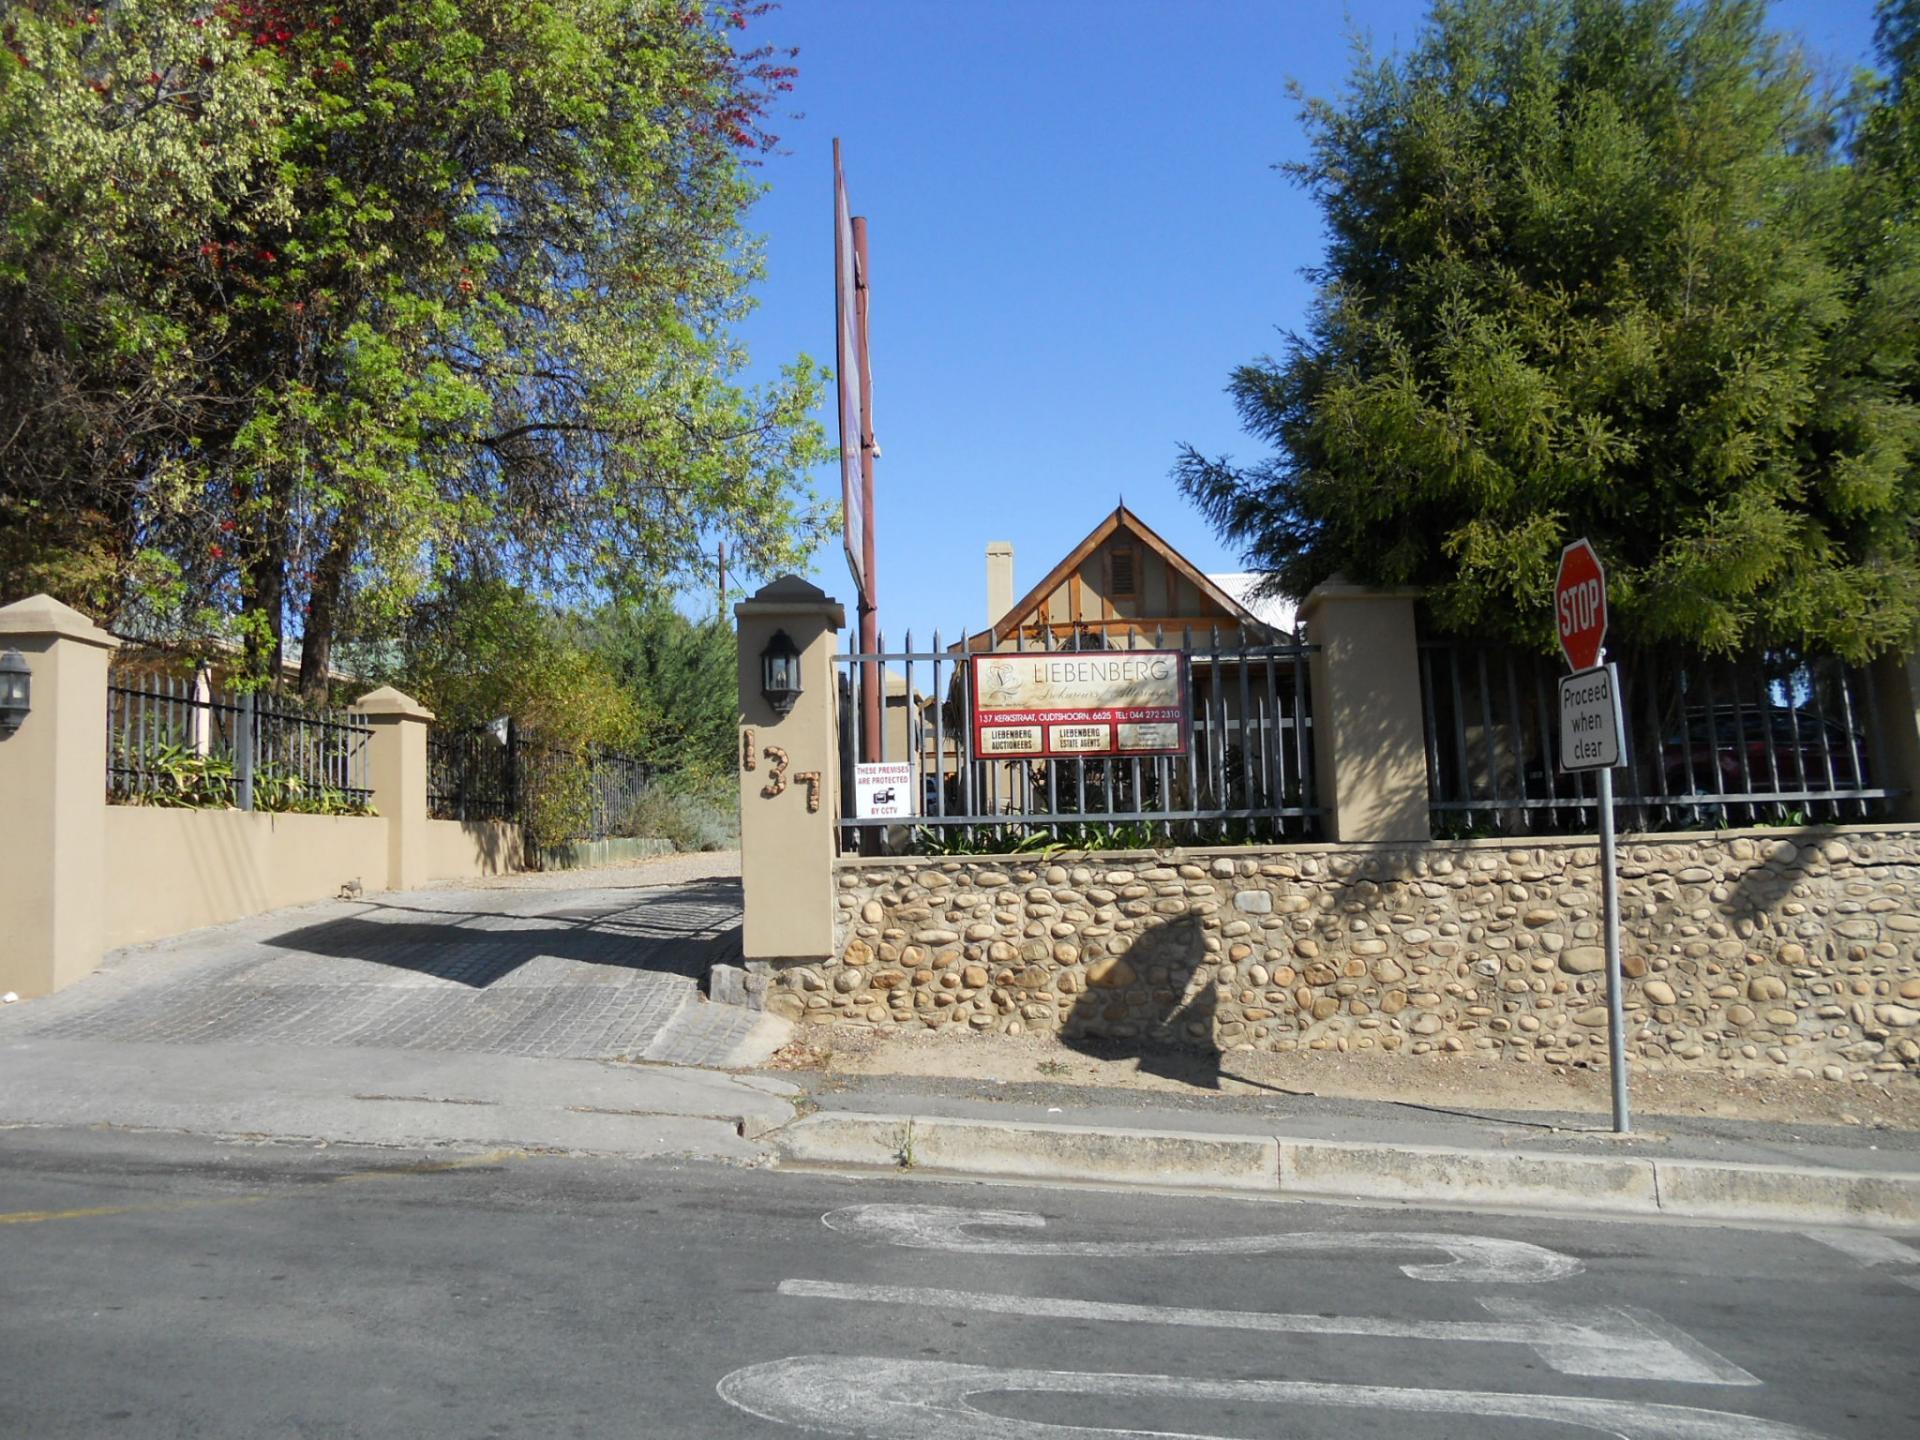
(1610, 268)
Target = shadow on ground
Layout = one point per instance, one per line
(676, 931)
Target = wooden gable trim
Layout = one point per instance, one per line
(1208, 590)
(1022, 611)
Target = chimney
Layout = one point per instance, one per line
(999, 580)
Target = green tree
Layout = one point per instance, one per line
(474, 319)
(682, 677)
(126, 140)
(478, 651)
(1598, 267)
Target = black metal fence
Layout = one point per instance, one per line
(500, 773)
(470, 774)
(1247, 774)
(176, 741)
(1768, 739)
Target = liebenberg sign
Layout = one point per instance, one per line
(1072, 703)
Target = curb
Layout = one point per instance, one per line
(1326, 1169)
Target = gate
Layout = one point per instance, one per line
(1247, 775)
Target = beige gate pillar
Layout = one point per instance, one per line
(789, 780)
(1369, 760)
(399, 774)
(1897, 693)
(53, 800)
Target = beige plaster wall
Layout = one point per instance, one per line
(1369, 760)
(174, 870)
(469, 849)
(1761, 950)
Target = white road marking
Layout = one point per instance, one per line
(1477, 1259)
(1599, 1341)
(869, 1395)
(1867, 1248)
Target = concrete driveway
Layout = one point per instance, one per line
(600, 964)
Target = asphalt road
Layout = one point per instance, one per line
(166, 1286)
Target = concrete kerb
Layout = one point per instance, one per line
(1323, 1169)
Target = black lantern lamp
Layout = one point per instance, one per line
(16, 691)
(780, 672)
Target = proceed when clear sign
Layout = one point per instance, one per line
(1589, 720)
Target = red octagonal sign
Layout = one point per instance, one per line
(1580, 605)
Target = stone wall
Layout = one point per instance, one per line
(1752, 950)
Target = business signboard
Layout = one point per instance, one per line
(1079, 704)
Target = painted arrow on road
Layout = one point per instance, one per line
(930, 1400)
(1605, 1341)
(1477, 1259)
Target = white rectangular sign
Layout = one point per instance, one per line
(1070, 702)
(883, 791)
(1590, 720)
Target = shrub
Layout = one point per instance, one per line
(689, 813)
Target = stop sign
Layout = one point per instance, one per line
(1580, 605)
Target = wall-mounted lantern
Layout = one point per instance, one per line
(780, 673)
(16, 691)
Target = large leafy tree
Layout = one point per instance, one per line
(1603, 268)
(459, 305)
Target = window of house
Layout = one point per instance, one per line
(1122, 570)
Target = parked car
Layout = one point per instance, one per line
(1751, 746)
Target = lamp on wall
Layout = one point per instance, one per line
(16, 691)
(780, 672)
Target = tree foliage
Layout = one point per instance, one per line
(479, 650)
(683, 678)
(329, 302)
(1607, 268)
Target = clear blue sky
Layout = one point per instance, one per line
(1076, 233)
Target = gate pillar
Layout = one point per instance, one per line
(1897, 691)
(1369, 758)
(789, 783)
(53, 800)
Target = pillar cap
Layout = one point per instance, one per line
(44, 615)
(1338, 587)
(388, 701)
(790, 595)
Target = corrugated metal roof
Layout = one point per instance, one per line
(1243, 585)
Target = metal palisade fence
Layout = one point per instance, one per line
(499, 773)
(1247, 774)
(177, 741)
(1776, 738)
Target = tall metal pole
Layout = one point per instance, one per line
(1610, 908)
(872, 677)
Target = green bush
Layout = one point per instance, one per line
(689, 813)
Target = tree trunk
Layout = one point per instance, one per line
(323, 612)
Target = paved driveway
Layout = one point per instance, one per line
(598, 964)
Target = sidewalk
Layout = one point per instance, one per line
(561, 1013)
(1677, 1165)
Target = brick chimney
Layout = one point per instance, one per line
(999, 580)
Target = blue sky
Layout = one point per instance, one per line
(1076, 233)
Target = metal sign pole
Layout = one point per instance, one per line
(1610, 908)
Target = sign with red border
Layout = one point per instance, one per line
(1079, 704)
(1580, 606)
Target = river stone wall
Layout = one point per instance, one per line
(1753, 950)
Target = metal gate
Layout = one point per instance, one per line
(1247, 775)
